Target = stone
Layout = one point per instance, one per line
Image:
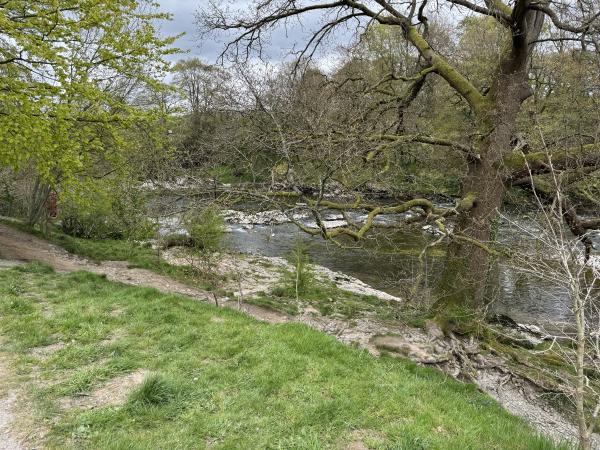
(422, 353)
(433, 330)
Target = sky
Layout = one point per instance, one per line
(208, 49)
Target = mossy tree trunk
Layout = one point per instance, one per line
(463, 285)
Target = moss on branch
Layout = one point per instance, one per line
(519, 164)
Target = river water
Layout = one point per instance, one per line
(390, 263)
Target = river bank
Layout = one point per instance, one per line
(389, 258)
(379, 325)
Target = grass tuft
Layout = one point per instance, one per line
(35, 267)
(156, 389)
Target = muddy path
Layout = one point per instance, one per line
(423, 346)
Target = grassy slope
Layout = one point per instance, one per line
(140, 256)
(226, 380)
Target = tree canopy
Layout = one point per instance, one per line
(70, 71)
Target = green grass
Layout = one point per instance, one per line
(154, 390)
(328, 299)
(285, 305)
(137, 255)
(220, 379)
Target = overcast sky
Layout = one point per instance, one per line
(282, 40)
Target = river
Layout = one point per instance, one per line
(388, 260)
(390, 264)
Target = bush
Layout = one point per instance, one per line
(206, 228)
(107, 212)
(176, 240)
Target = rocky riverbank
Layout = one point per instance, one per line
(252, 274)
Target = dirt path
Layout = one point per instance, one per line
(19, 246)
(16, 245)
(8, 400)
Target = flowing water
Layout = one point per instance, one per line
(389, 261)
(525, 298)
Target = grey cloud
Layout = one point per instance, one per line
(281, 40)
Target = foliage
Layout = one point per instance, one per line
(206, 228)
(11, 203)
(70, 70)
(204, 91)
(227, 379)
(106, 209)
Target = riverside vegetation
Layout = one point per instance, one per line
(385, 121)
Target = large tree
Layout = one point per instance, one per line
(493, 103)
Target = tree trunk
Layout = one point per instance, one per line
(37, 201)
(463, 285)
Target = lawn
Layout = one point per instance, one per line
(219, 379)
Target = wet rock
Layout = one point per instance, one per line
(519, 334)
(532, 329)
(328, 224)
(351, 284)
(517, 338)
(503, 320)
(259, 218)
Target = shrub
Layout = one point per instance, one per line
(176, 240)
(107, 212)
(206, 228)
(299, 281)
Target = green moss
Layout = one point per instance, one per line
(467, 202)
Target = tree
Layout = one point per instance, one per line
(558, 259)
(493, 104)
(202, 84)
(69, 71)
(204, 90)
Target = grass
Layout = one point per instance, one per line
(136, 254)
(155, 390)
(220, 379)
(286, 305)
(328, 299)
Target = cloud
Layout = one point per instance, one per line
(282, 40)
